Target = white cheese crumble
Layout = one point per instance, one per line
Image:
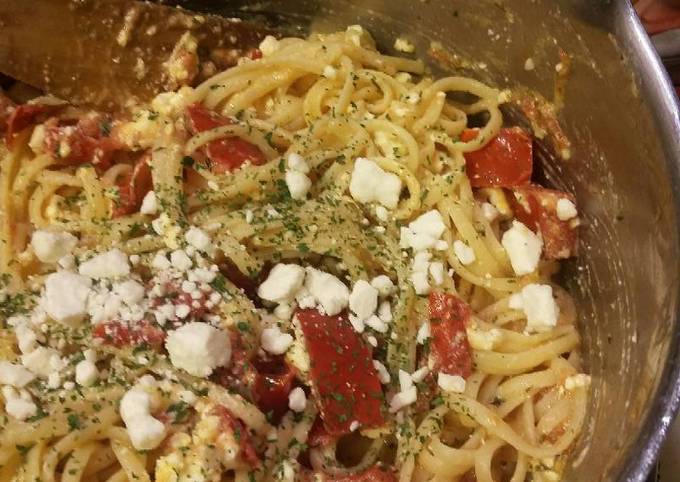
(149, 204)
(523, 247)
(329, 291)
(423, 333)
(383, 374)
(146, 432)
(298, 184)
(420, 374)
(297, 400)
(180, 260)
(274, 341)
(282, 284)
(363, 300)
(566, 209)
(377, 324)
(86, 373)
(451, 383)
(269, 45)
(65, 297)
(403, 45)
(111, 264)
(198, 348)
(384, 285)
(14, 374)
(463, 252)
(436, 270)
(538, 305)
(424, 232)
(298, 163)
(18, 403)
(529, 64)
(49, 247)
(370, 183)
(199, 239)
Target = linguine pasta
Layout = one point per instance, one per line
(173, 280)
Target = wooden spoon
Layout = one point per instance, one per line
(111, 53)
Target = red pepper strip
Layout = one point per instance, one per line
(225, 154)
(342, 372)
(273, 383)
(505, 161)
(120, 334)
(133, 187)
(536, 207)
(450, 347)
(241, 434)
(23, 116)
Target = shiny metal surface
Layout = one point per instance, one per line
(621, 113)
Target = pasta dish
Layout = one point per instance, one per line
(319, 264)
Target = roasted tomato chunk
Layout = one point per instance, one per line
(536, 207)
(273, 383)
(229, 422)
(133, 187)
(120, 334)
(449, 346)
(505, 161)
(224, 154)
(342, 372)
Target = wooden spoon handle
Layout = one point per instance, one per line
(107, 53)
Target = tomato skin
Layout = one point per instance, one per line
(85, 142)
(225, 154)
(7, 107)
(273, 383)
(560, 238)
(23, 116)
(229, 422)
(133, 187)
(505, 161)
(450, 348)
(120, 334)
(342, 372)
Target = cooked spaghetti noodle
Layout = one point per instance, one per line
(318, 263)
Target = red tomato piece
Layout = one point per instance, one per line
(175, 296)
(449, 344)
(240, 375)
(7, 108)
(505, 161)
(25, 115)
(318, 436)
(241, 434)
(536, 207)
(81, 143)
(342, 372)
(255, 54)
(225, 154)
(133, 188)
(273, 383)
(120, 334)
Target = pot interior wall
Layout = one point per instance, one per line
(625, 280)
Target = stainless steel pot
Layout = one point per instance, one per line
(621, 113)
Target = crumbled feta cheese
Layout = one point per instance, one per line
(297, 400)
(329, 291)
(282, 284)
(373, 341)
(298, 184)
(198, 238)
(376, 323)
(182, 311)
(18, 404)
(249, 216)
(370, 183)
(37, 140)
(566, 209)
(198, 348)
(538, 305)
(42, 361)
(424, 232)
(483, 339)
(437, 272)
(180, 261)
(403, 45)
(464, 253)
(274, 341)
(384, 285)
(354, 426)
(160, 262)
(383, 374)
(50, 246)
(14, 374)
(111, 264)
(269, 45)
(385, 311)
(523, 247)
(131, 292)
(65, 299)
(451, 383)
(86, 373)
(529, 64)
(579, 380)
(403, 399)
(423, 333)
(363, 300)
(67, 262)
(149, 204)
(405, 380)
(357, 323)
(27, 340)
(420, 374)
(382, 214)
(421, 283)
(297, 163)
(146, 432)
